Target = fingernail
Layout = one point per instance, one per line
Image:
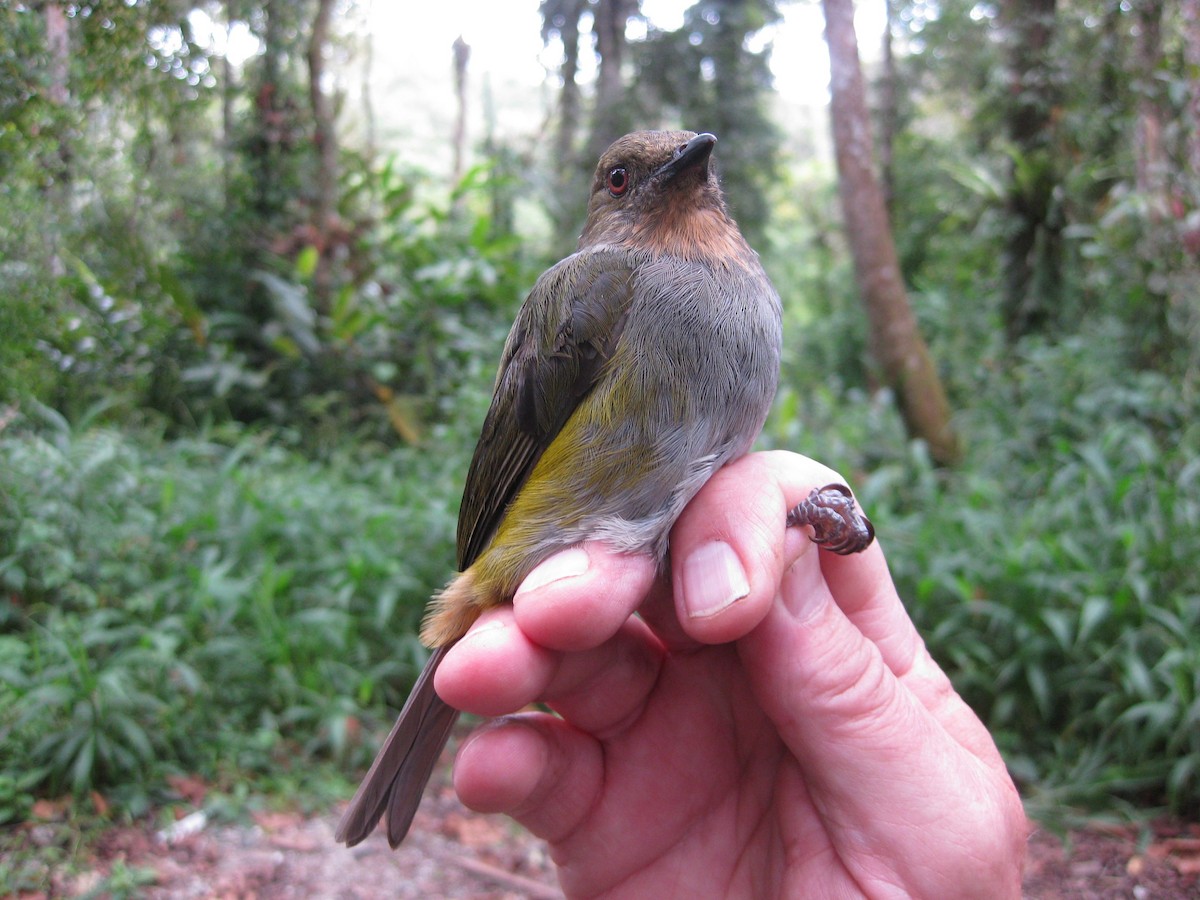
(564, 564)
(486, 629)
(713, 579)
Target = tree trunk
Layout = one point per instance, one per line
(895, 342)
(568, 105)
(58, 45)
(1187, 191)
(1191, 58)
(58, 92)
(1034, 248)
(889, 115)
(227, 100)
(1157, 241)
(1151, 159)
(325, 141)
(370, 137)
(561, 18)
(610, 119)
(272, 120)
(462, 56)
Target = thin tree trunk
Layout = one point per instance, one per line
(58, 92)
(1158, 237)
(889, 116)
(562, 17)
(265, 153)
(58, 44)
(1108, 141)
(610, 119)
(227, 98)
(1187, 302)
(462, 56)
(325, 141)
(895, 342)
(1191, 57)
(1151, 158)
(568, 107)
(370, 138)
(1033, 252)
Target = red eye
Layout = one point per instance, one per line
(618, 181)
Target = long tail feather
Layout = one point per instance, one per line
(403, 765)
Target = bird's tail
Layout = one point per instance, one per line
(402, 768)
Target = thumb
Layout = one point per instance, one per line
(866, 744)
(837, 705)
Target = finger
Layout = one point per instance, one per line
(863, 589)
(496, 669)
(742, 510)
(603, 690)
(866, 743)
(731, 546)
(579, 597)
(535, 768)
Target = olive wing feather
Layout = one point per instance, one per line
(564, 333)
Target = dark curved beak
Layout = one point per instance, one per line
(691, 155)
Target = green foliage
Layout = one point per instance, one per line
(234, 597)
(1082, 211)
(213, 603)
(1054, 574)
(705, 77)
(424, 288)
(196, 298)
(824, 347)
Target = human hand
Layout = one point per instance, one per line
(790, 736)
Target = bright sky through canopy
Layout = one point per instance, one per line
(505, 39)
(511, 72)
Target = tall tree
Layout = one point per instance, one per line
(58, 47)
(889, 113)
(895, 341)
(462, 57)
(1151, 154)
(561, 19)
(325, 142)
(1191, 55)
(611, 116)
(709, 76)
(1033, 255)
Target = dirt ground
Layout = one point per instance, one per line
(452, 852)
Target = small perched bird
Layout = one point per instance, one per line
(637, 367)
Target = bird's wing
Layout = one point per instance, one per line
(565, 332)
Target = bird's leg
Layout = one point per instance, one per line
(837, 525)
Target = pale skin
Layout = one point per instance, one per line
(792, 739)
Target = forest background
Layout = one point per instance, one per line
(250, 320)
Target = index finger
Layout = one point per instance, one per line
(744, 507)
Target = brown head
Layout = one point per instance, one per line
(658, 191)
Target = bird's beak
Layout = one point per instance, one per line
(691, 155)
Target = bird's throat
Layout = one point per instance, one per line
(693, 233)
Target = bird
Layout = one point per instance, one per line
(637, 367)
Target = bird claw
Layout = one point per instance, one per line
(836, 524)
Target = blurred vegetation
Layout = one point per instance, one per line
(224, 504)
(209, 601)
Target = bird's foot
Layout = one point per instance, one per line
(837, 525)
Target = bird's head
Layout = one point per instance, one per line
(658, 191)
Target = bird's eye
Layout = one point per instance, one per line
(618, 181)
